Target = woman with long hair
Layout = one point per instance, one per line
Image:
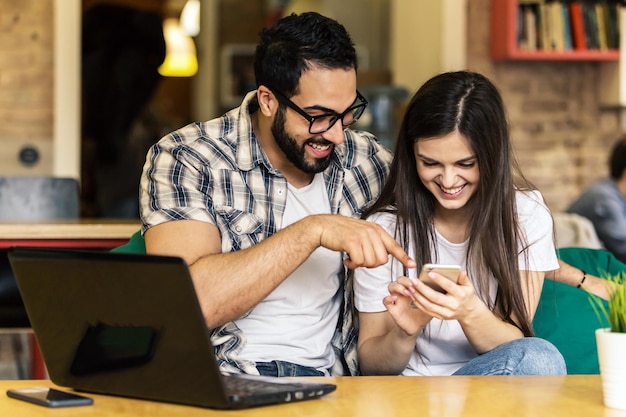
(455, 195)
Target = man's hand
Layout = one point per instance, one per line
(366, 244)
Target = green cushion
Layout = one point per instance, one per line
(565, 315)
(136, 244)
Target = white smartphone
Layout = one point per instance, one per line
(449, 271)
(49, 397)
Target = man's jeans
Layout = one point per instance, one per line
(281, 368)
(526, 356)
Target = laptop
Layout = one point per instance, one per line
(131, 325)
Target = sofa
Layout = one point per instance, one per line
(565, 315)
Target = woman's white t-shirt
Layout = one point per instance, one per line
(443, 347)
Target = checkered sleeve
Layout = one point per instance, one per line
(174, 182)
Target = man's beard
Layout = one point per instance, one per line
(295, 153)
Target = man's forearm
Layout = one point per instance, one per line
(230, 284)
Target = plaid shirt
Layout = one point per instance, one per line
(217, 172)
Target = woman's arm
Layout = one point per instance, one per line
(568, 274)
(387, 338)
(383, 348)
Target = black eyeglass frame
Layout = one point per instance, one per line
(282, 99)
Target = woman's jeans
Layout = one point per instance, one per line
(526, 356)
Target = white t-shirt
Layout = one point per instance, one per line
(303, 307)
(443, 347)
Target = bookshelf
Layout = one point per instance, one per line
(510, 39)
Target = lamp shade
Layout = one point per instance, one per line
(180, 59)
(190, 17)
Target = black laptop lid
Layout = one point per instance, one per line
(122, 324)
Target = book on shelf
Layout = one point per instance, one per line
(577, 25)
(545, 27)
(600, 21)
(591, 25)
(557, 38)
(567, 28)
(612, 24)
(528, 39)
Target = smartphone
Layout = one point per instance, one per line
(449, 271)
(49, 397)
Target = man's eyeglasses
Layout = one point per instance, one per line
(323, 122)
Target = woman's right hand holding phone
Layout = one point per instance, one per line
(457, 302)
(413, 303)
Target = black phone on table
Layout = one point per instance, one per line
(49, 397)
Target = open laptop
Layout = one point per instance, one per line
(130, 325)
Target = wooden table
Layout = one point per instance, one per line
(83, 233)
(492, 396)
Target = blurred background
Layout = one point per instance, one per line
(83, 94)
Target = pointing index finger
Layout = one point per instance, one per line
(395, 250)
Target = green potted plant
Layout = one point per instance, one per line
(611, 341)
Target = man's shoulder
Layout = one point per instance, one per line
(603, 186)
(209, 140)
(222, 129)
(598, 192)
(360, 147)
(362, 140)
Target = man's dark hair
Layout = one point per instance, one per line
(617, 161)
(294, 44)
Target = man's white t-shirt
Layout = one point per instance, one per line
(303, 307)
(443, 347)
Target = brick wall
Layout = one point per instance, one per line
(26, 59)
(561, 136)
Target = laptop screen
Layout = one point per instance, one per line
(122, 324)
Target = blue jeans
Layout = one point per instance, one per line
(281, 368)
(526, 356)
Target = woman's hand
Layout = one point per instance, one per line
(459, 302)
(399, 304)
